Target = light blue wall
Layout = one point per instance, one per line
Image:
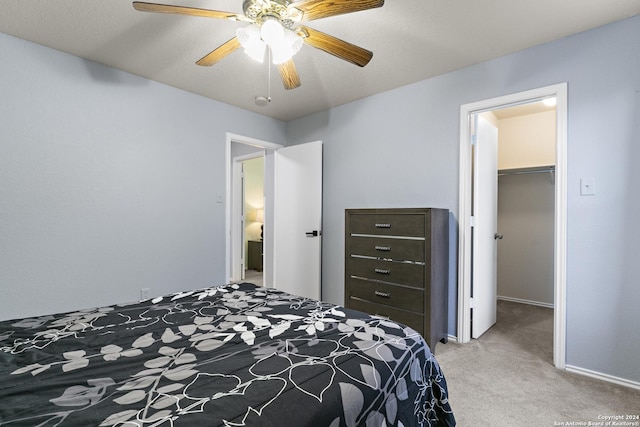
(108, 183)
(401, 148)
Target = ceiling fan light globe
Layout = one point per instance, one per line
(249, 38)
(289, 46)
(256, 53)
(248, 34)
(279, 55)
(271, 31)
(293, 40)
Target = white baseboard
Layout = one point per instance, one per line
(526, 301)
(603, 377)
(452, 338)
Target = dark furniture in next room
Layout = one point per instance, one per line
(254, 255)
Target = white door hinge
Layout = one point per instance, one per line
(472, 221)
(471, 303)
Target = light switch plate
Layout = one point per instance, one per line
(587, 187)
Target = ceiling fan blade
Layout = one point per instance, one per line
(333, 45)
(289, 75)
(219, 53)
(181, 10)
(316, 9)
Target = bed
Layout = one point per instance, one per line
(234, 355)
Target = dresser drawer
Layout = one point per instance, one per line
(410, 299)
(381, 247)
(387, 224)
(413, 320)
(394, 272)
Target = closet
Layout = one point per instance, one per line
(526, 221)
(526, 203)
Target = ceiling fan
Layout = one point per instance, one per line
(274, 27)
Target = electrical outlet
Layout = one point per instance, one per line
(144, 294)
(587, 187)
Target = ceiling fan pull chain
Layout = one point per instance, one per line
(269, 82)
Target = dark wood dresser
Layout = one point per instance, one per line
(254, 255)
(396, 266)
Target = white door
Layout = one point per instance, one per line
(485, 213)
(298, 219)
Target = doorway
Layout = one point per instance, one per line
(252, 217)
(467, 220)
(292, 213)
(526, 189)
(240, 149)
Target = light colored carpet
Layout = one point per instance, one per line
(507, 377)
(253, 276)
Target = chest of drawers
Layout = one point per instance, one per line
(396, 266)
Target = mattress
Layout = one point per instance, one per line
(233, 355)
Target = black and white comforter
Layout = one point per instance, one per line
(226, 356)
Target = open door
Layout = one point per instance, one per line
(297, 219)
(485, 226)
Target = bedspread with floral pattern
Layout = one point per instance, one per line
(234, 355)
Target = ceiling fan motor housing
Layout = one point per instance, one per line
(259, 10)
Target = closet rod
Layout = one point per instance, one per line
(550, 169)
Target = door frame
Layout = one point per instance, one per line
(231, 226)
(559, 91)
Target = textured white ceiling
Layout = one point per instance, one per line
(412, 40)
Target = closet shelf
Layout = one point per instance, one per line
(523, 171)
